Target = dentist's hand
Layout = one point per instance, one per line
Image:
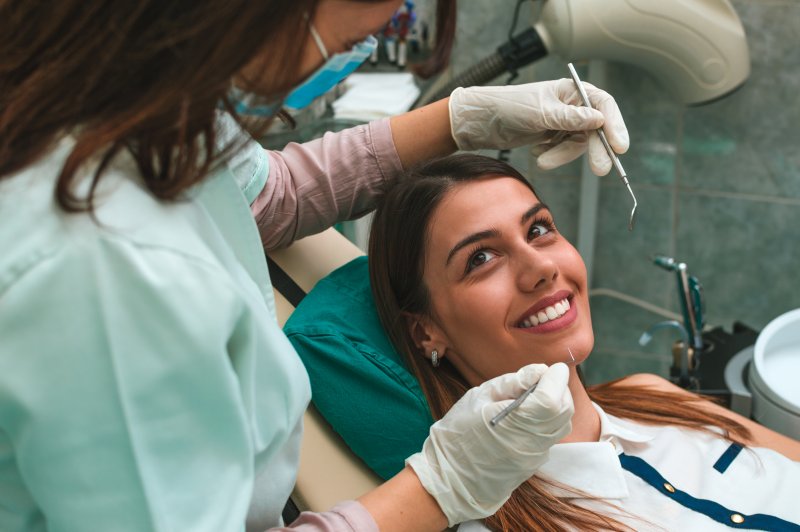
(549, 116)
(470, 467)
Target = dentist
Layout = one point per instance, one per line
(144, 381)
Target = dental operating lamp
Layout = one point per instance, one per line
(696, 49)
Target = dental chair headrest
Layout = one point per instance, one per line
(359, 382)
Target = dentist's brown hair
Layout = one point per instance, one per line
(144, 76)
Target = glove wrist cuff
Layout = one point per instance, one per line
(456, 504)
(453, 107)
(461, 127)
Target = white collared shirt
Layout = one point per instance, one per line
(669, 478)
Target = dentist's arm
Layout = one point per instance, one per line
(423, 134)
(311, 186)
(547, 116)
(451, 481)
(467, 469)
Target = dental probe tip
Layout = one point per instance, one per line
(633, 211)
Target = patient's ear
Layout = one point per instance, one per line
(426, 334)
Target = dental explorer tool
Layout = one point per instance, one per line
(518, 401)
(507, 410)
(600, 133)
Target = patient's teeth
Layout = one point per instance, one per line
(547, 314)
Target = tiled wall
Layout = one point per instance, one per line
(718, 187)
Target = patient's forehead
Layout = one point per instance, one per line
(474, 205)
(488, 204)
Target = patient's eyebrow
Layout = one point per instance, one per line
(530, 213)
(471, 239)
(490, 233)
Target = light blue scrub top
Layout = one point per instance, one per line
(144, 381)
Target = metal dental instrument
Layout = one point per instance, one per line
(518, 401)
(604, 140)
(698, 303)
(507, 410)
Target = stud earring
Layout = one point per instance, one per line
(435, 358)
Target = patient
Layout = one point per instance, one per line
(471, 280)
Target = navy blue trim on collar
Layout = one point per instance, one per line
(711, 509)
(728, 457)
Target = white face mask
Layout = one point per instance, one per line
(334, 70)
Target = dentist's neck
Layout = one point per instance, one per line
(586, 421)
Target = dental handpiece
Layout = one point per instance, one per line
(611, 153)
(689, 308)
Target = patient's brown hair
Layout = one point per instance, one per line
(396, 261)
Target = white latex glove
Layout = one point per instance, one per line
(470, 467)
(549, 116)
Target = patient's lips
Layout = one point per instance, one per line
(549, 314)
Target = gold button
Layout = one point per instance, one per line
(668, 487)
(737, 518)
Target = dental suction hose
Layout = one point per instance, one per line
(521, 50)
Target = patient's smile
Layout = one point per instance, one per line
(549, 318)
(546, 314)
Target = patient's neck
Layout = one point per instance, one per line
(586, 421)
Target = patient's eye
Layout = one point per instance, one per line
(479, 258)
(540, 228)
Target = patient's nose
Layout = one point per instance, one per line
(534, 270)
